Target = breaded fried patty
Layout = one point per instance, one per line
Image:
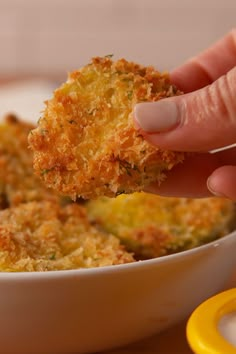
(152, 226)
(41, 236)
(18, 183)
(86, 144)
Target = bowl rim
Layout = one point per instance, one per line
(97, 271)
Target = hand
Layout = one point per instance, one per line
(201, 120)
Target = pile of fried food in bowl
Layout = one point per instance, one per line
(85, 255)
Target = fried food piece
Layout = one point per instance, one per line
(152, 226)
(86, 144)
(18, 184)
(42, 236)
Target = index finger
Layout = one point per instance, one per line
(207, 67)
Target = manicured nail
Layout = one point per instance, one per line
(212, 189)
(156, 116)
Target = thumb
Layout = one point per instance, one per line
(202, 120)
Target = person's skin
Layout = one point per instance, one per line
(201, 120)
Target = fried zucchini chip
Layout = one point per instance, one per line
(86, 144)
(18, 183)
(152, 226)
(42, 236)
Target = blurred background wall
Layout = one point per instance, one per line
(51, 37)
(44, 39)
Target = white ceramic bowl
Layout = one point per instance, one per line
(95, 309)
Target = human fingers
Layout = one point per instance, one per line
(222, 182)
(202, 120)
(188, 179)
(207, 67)
(226, 156)
(191, 178)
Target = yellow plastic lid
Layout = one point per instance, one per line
(203, 331)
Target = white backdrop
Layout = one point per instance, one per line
(52, 37)
(48, 36)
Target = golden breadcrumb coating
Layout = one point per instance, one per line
(86, 144)
(42, 236)
(18, 183)
(152, 226)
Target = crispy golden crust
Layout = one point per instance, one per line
(152, 226)
(41, 236)
(86, 144)
(18, 183)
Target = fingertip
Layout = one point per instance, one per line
(135, 122)
(221, 182)
(155, 117)
(212, 186)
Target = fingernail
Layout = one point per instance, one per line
(212, 189)
(156, 116)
